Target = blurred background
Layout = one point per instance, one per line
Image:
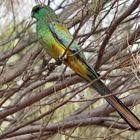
(40, 103)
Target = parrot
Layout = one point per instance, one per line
(59, 43)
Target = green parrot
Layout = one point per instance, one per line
(57, 41)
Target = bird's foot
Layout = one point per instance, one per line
(58, 61)
(51, 66)
(61, 59)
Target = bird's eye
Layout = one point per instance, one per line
(36, 9)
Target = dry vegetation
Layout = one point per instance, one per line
(39, 103)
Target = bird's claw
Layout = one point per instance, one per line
(51, 66)
(58, 61)
(61, 59)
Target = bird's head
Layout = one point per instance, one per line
(42, 11)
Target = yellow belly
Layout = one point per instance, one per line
(70, 60)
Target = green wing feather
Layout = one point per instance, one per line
(65, 38)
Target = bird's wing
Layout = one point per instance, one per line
(65, 38)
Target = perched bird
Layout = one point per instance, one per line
(57, 41)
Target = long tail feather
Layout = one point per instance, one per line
(116, 103)
(101, 88)
(89, 74)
